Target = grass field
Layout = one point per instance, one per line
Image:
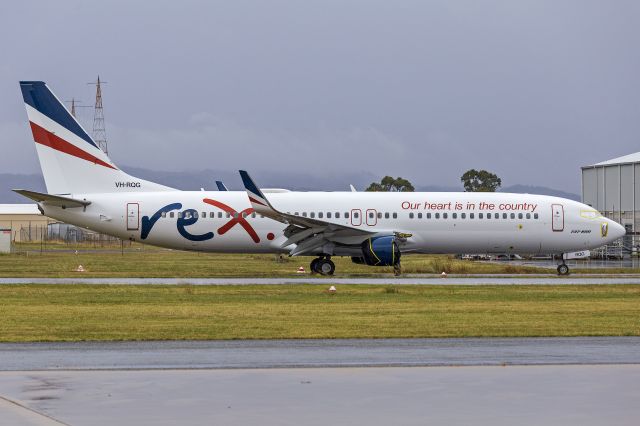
(146, 261)
(78, 313)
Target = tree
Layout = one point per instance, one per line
(389, 184)
(480, 181)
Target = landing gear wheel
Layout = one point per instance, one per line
(325, 267)
(314, 266)
(397, 269)
(563, 269)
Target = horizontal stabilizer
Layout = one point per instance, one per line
(52, 200)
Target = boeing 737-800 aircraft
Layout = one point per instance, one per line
(85, 188)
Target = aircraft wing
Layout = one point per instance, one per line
(306, 233)
(52, 200)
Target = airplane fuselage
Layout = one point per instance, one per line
(223, 221)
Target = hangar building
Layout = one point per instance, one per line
(25, 222)
(610, 187)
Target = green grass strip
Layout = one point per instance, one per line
(114, 312)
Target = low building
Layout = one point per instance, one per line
(24, 221)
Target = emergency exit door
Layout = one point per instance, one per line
(557, 217)
(133, 216)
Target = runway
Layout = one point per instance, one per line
(418, 280)
(318, 353)
(523, 395)
(524, 381)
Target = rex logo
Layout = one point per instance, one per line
(190, 217)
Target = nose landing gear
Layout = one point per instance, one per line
(323, 265)
(563, 269)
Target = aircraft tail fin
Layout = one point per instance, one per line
(70, 160)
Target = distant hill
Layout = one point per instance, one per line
(542, 190)
(16, 181)
(194, 180)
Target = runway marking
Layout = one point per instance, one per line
(25, 413)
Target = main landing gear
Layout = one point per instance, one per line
(563, 269)
(397, 269)
(323, 265)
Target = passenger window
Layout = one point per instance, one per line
(328, 215)
(488, 215)
(513, 215)
(297, 213)
(411, 215)
(212, 215)
(220, 215)
(179, 215)
(480, 216)
(371, 215)
(304, 214)
(228, 215)
(337, 215)
(395, 215)
(470, 215)
(504, 215)
(419, 215)
(496, 215)
(535, 215)
(356, 215)
(428, 215)
(164, 214)
(379, 215)
(320, 215)
(528, 215)
(454, 215)
(519, 215)
(312, 214)
(463, 215)
(444, 215)
(386, 215)
(346, 215)
(253, 214)
(437, 215)
(235, 215)
(171, 214)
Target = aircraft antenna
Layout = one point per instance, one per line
(99, 131)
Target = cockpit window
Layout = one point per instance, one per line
(590, 214)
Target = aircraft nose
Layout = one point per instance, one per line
(616, 230)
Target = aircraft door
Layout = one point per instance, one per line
(372, 217)
(133, 216)
(356, 217)
(557, 217)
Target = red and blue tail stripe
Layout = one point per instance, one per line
(54, 127)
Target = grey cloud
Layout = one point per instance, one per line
(531, 89)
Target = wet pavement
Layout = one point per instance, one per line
(450, 280)
(514, 395)
(318, 353)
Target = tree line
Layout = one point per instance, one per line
(473, 181)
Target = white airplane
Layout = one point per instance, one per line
(85, 188)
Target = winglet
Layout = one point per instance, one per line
(221, 186)
(258, 201)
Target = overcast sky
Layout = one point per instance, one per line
(531, 90)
